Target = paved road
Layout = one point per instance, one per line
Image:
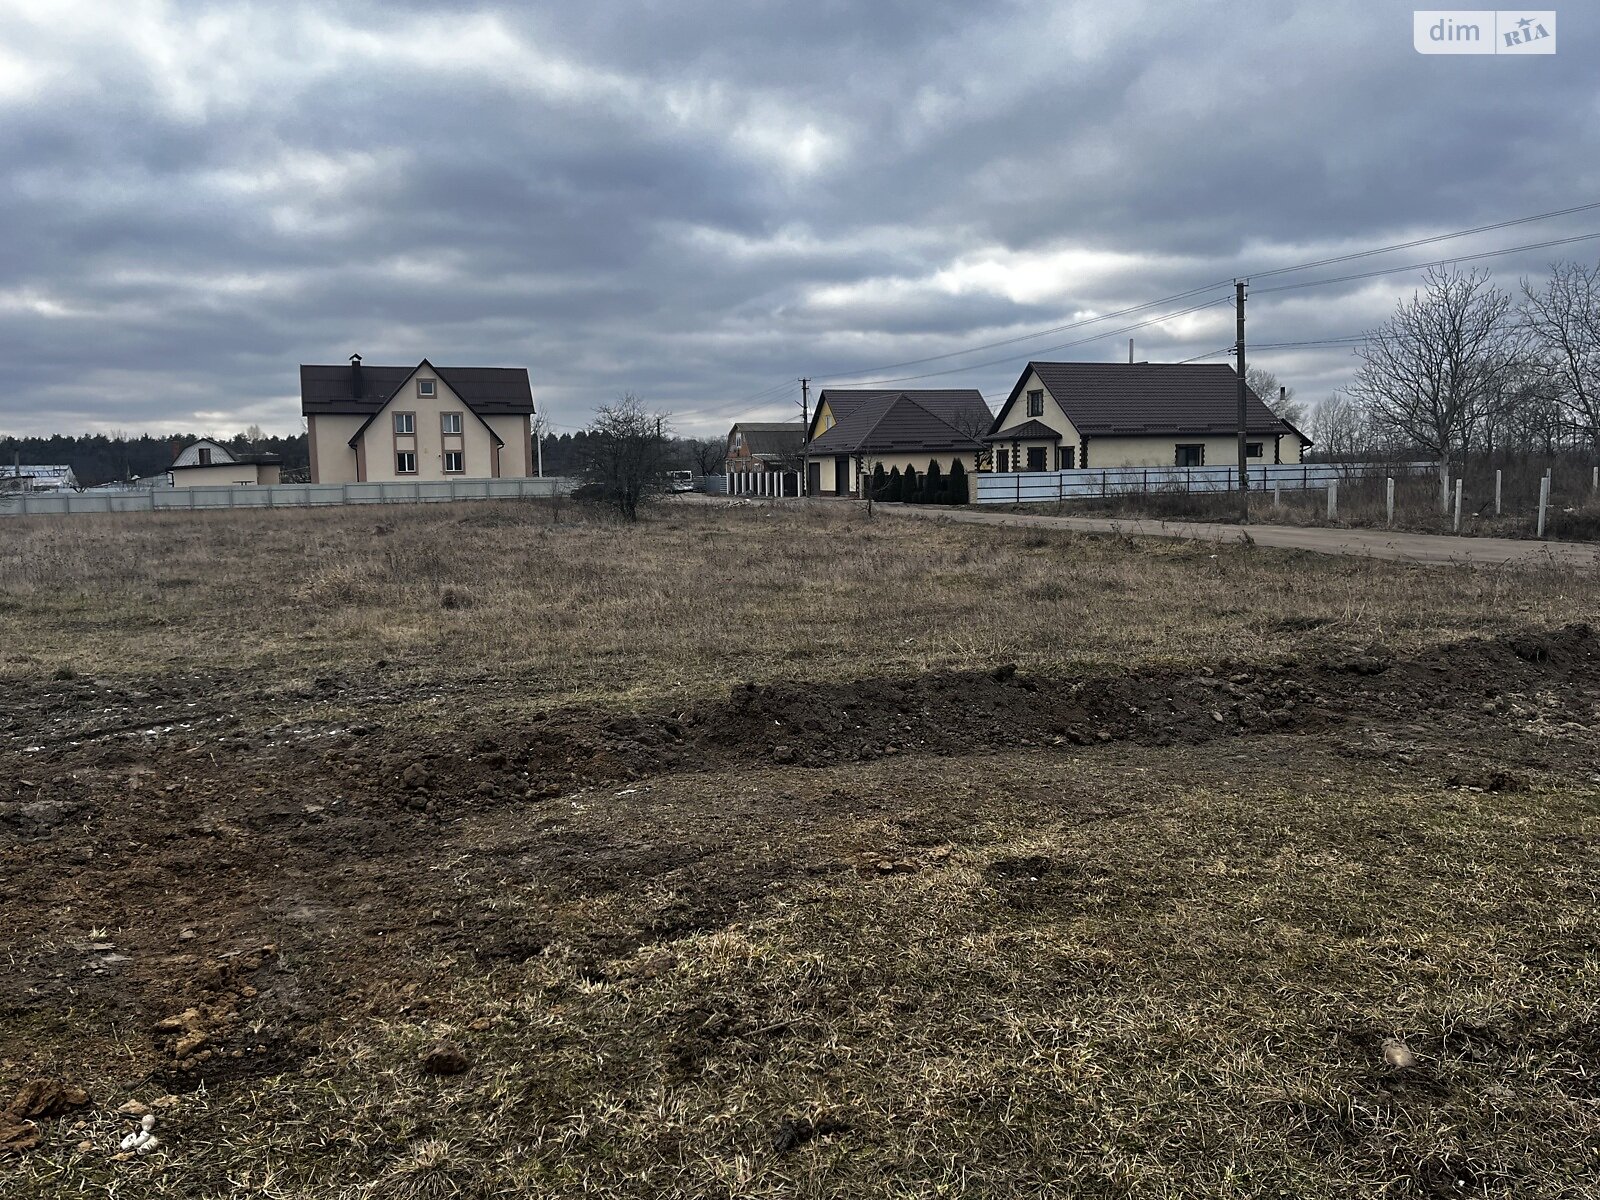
(1371, 543)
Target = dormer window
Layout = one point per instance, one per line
(425, 388)
(205, 456)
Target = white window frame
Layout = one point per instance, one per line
(400, 456)
(461, 460)
(447, 419)
(427, 388)
(405, 424)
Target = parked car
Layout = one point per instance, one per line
(680, 481)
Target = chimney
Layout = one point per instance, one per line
(355, 376)
(1130, 352)
(1283, 398)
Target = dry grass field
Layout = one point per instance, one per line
(504, 850)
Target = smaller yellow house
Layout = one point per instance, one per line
(1061, 416)
(854, 430)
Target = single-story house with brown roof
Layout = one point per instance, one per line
(1064, 415)
(854, 430)
(377, 424)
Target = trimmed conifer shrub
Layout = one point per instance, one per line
(911, 487)
(958, 483)
(933, 484)
(880, 482)
(892, 489)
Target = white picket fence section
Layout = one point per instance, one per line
(282, 495)
(1033, 487)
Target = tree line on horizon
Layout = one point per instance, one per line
(97, 458)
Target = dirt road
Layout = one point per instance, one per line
(1370, 543)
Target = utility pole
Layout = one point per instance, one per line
(805, 432)
(1239, 286)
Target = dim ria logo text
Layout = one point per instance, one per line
(1483, 31)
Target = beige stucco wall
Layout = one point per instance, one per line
(226, 475)
(1053, 416)
(381, 443)
(1162, 451)
(516, 457)
(332, 459)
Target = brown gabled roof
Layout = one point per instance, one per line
(1028, 431)
(962, 407)
(890, 423)
(1149, 399)
(771, 439)
(488, 391)
(448, 382)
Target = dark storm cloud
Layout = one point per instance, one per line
(697, 201)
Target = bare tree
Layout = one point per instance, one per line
(1562, 321)
(1339, 428)
(707, 455)
(1276, 397)
(976, 426)
(626, 454)
(1440, 366)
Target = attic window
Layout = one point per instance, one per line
(425, 387)
(205, 456)
(1036, 404)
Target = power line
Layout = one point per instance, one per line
(1024, 337)
(1442, 237)
(1129, 311)
(1146, 306)
(1440, 262)
(1098, 337)
(1208, 354)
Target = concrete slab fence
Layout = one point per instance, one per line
(281, 495)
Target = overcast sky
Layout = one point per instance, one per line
(700, 201)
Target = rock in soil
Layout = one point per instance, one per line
(46, 1098)
(16, 1136)
(446, 1058)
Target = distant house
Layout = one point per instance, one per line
(38, 477)
(1061, 416)
(854, 430)
(210, 464)
(765, 457)
(376, 424)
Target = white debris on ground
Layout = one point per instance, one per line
(143, 1139)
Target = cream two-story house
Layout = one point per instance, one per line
(371, 424)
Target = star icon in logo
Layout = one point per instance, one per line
(1524, 23)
